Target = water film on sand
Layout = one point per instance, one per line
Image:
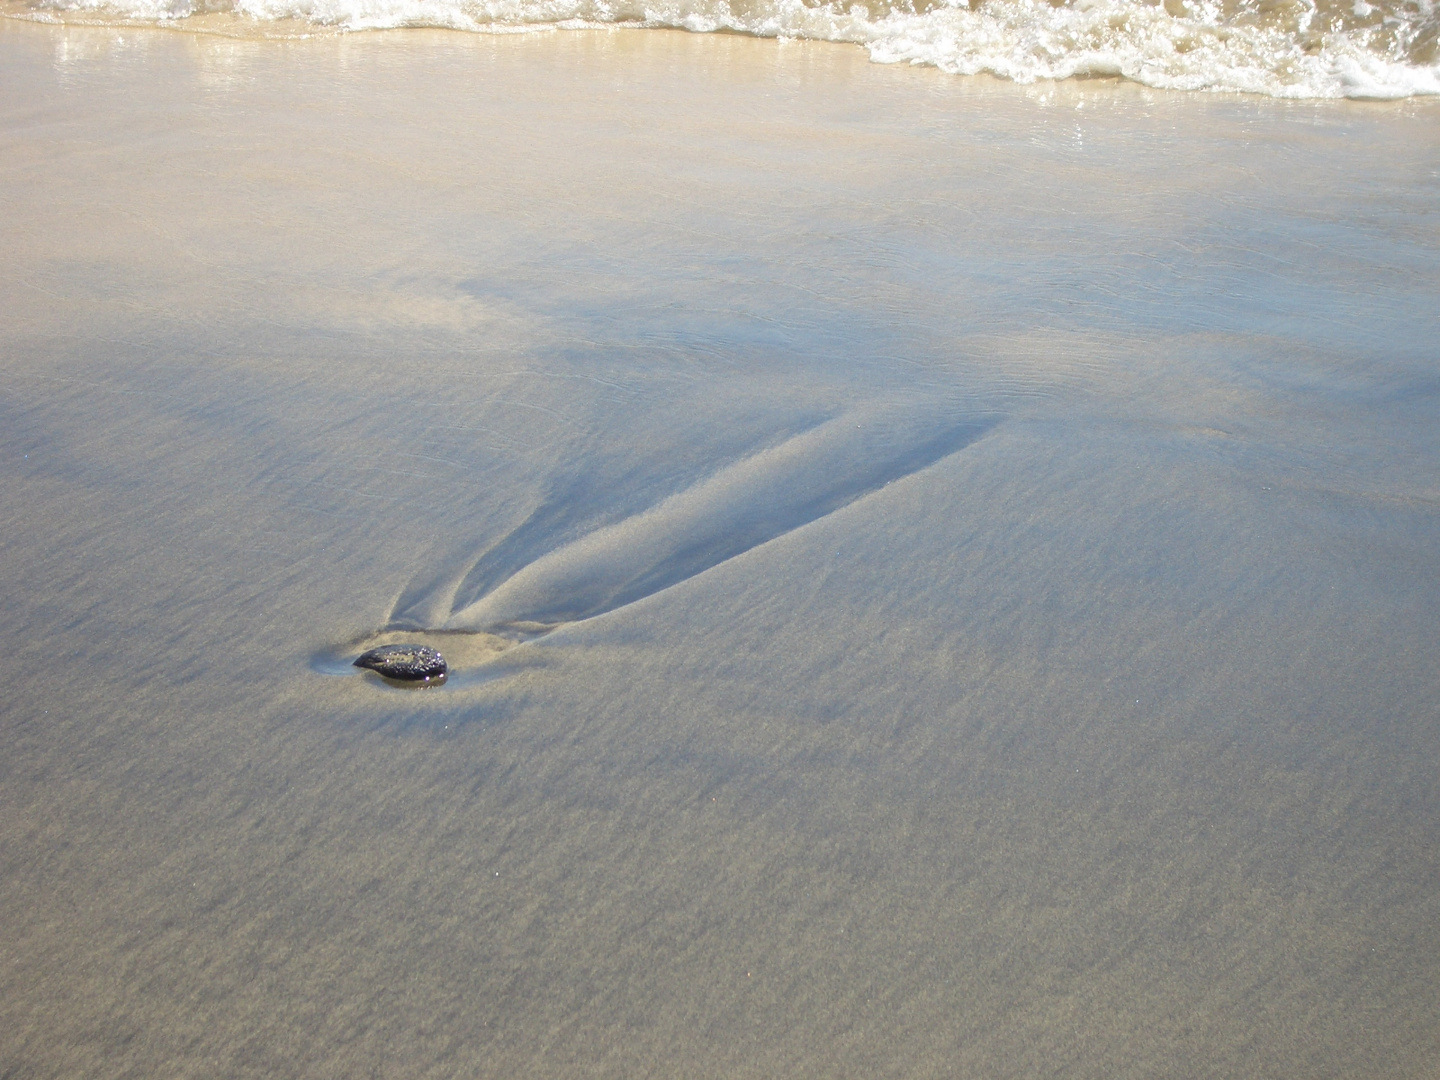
(939, 576)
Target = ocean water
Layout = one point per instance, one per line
(1281, 48)
(939, 574)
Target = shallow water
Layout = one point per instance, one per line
(1280, 48)
(1098, 740)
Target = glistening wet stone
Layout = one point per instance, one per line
(406, 663)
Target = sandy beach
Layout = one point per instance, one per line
(940, 575)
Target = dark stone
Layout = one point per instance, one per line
(408, 663)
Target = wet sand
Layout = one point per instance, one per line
(1103, 743)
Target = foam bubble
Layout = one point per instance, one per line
(1280, 48)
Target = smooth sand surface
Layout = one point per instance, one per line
(1101, 741)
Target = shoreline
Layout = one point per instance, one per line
(1422, 80)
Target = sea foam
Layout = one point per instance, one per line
(1280, 48)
